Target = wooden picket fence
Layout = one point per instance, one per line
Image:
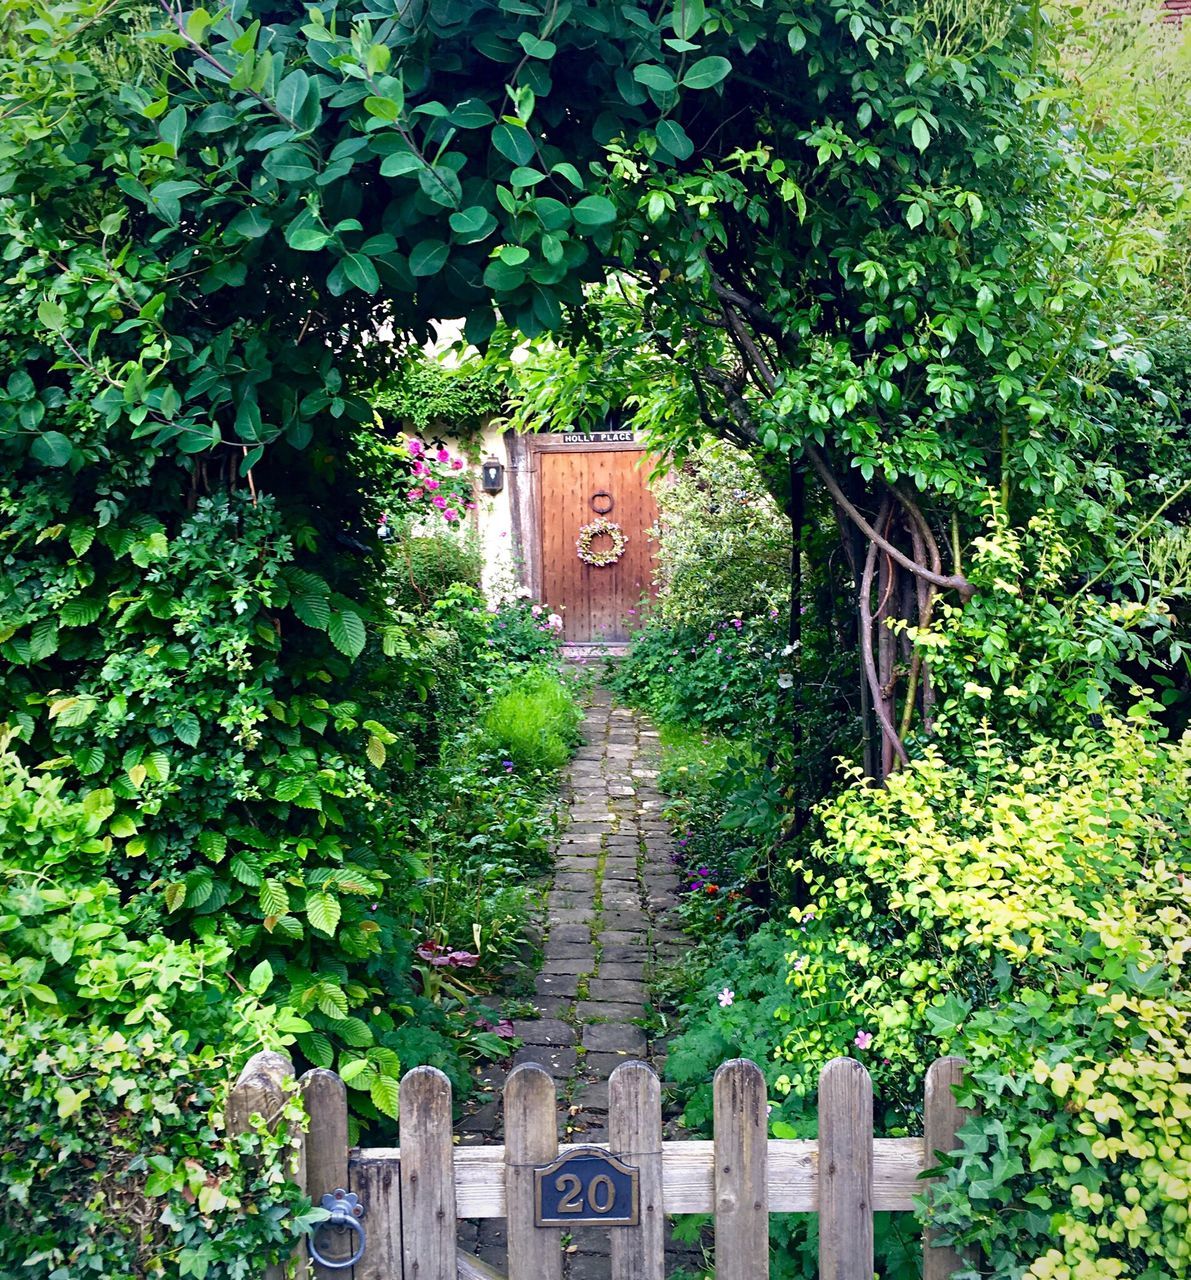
(412, 1196)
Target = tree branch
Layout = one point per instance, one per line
(956, 582)
(866, 642)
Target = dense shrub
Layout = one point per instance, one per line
(534, 722)
(715, 510)
(423, 567)
(116, 1054)
(1030, 911)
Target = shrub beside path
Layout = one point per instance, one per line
(611, 918)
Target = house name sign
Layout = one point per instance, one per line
(594, 437)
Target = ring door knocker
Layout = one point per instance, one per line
(603, 497)
(346, 1211)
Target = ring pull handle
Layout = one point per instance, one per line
(604, 497)
(346, 1211)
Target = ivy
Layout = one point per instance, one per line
(427, 396)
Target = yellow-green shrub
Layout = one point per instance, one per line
(1033, 914)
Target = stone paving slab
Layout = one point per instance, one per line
(614, 895)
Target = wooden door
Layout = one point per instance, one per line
(595, 602)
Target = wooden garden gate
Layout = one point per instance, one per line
(410, 1198)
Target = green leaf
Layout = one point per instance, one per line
(673, 137)
(920, 132)
(314, 610)
(472, 224)
(304, 233)
(243, 867)
(317, 1048)
(536, 47)
(331, 1000)
(360, 271)
(175, 895)
(88, 760)
(523, 177)
(400, 162)
(291, 94)
(260, 978)
(428, 257)
(323, 911)
(472, 113)
(594, 211)
(51, 315)
(687, 18)
(80, 612)
(52, 449)
(654, 77)
(383, 1092)
(213, 845)
(513, 142)
(347, 633)
(289, 164)
(274, 899)
(376, 751)
(706, 73)
(383, 108)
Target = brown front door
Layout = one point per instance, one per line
(575, 487)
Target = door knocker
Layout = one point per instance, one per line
(603, 497)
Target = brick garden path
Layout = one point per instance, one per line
(610, 918)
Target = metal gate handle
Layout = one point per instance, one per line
(346, 1211)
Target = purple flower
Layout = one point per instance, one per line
(863, 1039)
(508, 764)
(725, 997)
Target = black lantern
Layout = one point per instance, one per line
(492, 475)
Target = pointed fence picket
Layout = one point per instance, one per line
(413, 1195)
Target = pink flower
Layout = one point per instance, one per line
(471, 506)
(416, 448)
(554, 622)
(414, 495)
(439, 501)
(450, 514)
(420, 469)
(443, 456)
(431, 484)
(863, 1039)
(537, 609)
(726, 997)
(456, 464)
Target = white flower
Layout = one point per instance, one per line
(785, 680)
(726, 997)
(554, 622)
(523, 593)
(239, 606)
(789, 649)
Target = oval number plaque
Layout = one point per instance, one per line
(586, 1185)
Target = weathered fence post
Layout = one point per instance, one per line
(377, 1181)
(944, 1118)
(635, 1135)
(324, 1096)
(741, 1157)
(845, 1171)
(262, 1090)
(427, 1176)
(531, 1138)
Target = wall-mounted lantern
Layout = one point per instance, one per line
(492, 475)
